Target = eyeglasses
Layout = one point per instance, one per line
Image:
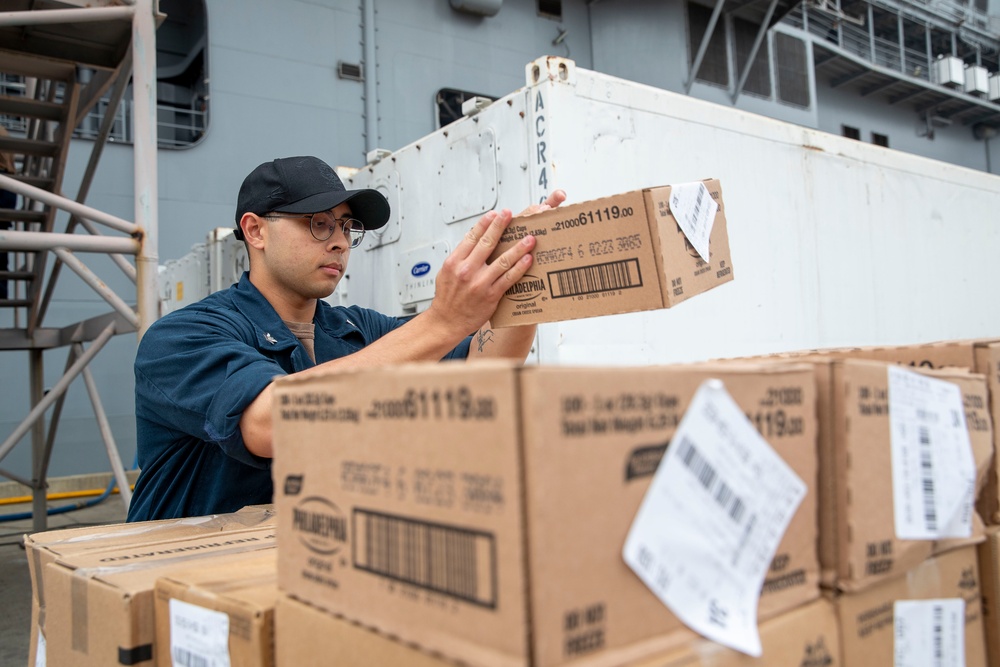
(323, 224)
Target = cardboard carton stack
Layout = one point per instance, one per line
(492, 533)
(93, 587)
(874, 567)
(868, 569)
(478, 513)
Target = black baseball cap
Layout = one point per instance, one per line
(305, 184)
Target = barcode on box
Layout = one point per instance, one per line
(450, 560)
(185, 658)
(938, 634)
(621, 274)
(927, 479)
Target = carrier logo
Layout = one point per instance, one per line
(293, 485)
(420, 269)
(527, 288)
(320, 525)
(643, 461)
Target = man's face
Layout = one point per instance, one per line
(298, 265)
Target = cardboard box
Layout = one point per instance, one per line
(858, 543)
(307, 636)
(867, 619)
(989, 577)
(310, 637)
(244, 592)
(492, 532)
(981, 355)
(99, 603)
(45, 547)
(805, 637)
(612, 255)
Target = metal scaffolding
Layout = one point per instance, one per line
(66, 55)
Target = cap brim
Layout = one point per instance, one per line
(368, 206)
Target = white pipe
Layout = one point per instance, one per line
(106, 435)
(98, 285)
(144, 157)
(74, 207)
(48, 16)
(371, 80)
(60, 387)
(32, 241)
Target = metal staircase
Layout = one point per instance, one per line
(58, 59)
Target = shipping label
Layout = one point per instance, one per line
(933, 470)
(198, 636)
(929, 633)
(711, 520)
(694, 210)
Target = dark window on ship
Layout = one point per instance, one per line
(714, 67)
(449, 104)
(793, 77)
(880, 139)
(181, 82)
(850, 132)
(759, 80)
(551, 9)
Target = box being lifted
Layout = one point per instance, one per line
(641, 250)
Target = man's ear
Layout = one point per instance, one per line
(253, 230)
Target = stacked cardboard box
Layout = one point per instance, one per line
(989, 570)
(480, 512)
(979, 355)
(870, 620)
(806, 637)
(92, 587)
(218, 612)
(492, 532)
(866, 568)
(858, 542)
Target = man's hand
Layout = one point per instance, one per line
(468, 287)
(511, 342)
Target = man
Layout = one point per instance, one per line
(204, 373)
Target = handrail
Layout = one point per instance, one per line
(60, 202)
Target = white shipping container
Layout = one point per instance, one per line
(834, 242)
(185, 280)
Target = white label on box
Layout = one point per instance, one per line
(711, 520)
(40, 657)
(694, 210)
(929, 633)
(933, 470)
(198, 636)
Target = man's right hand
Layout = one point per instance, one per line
(468, 288)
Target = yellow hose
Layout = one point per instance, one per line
(63, 495)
